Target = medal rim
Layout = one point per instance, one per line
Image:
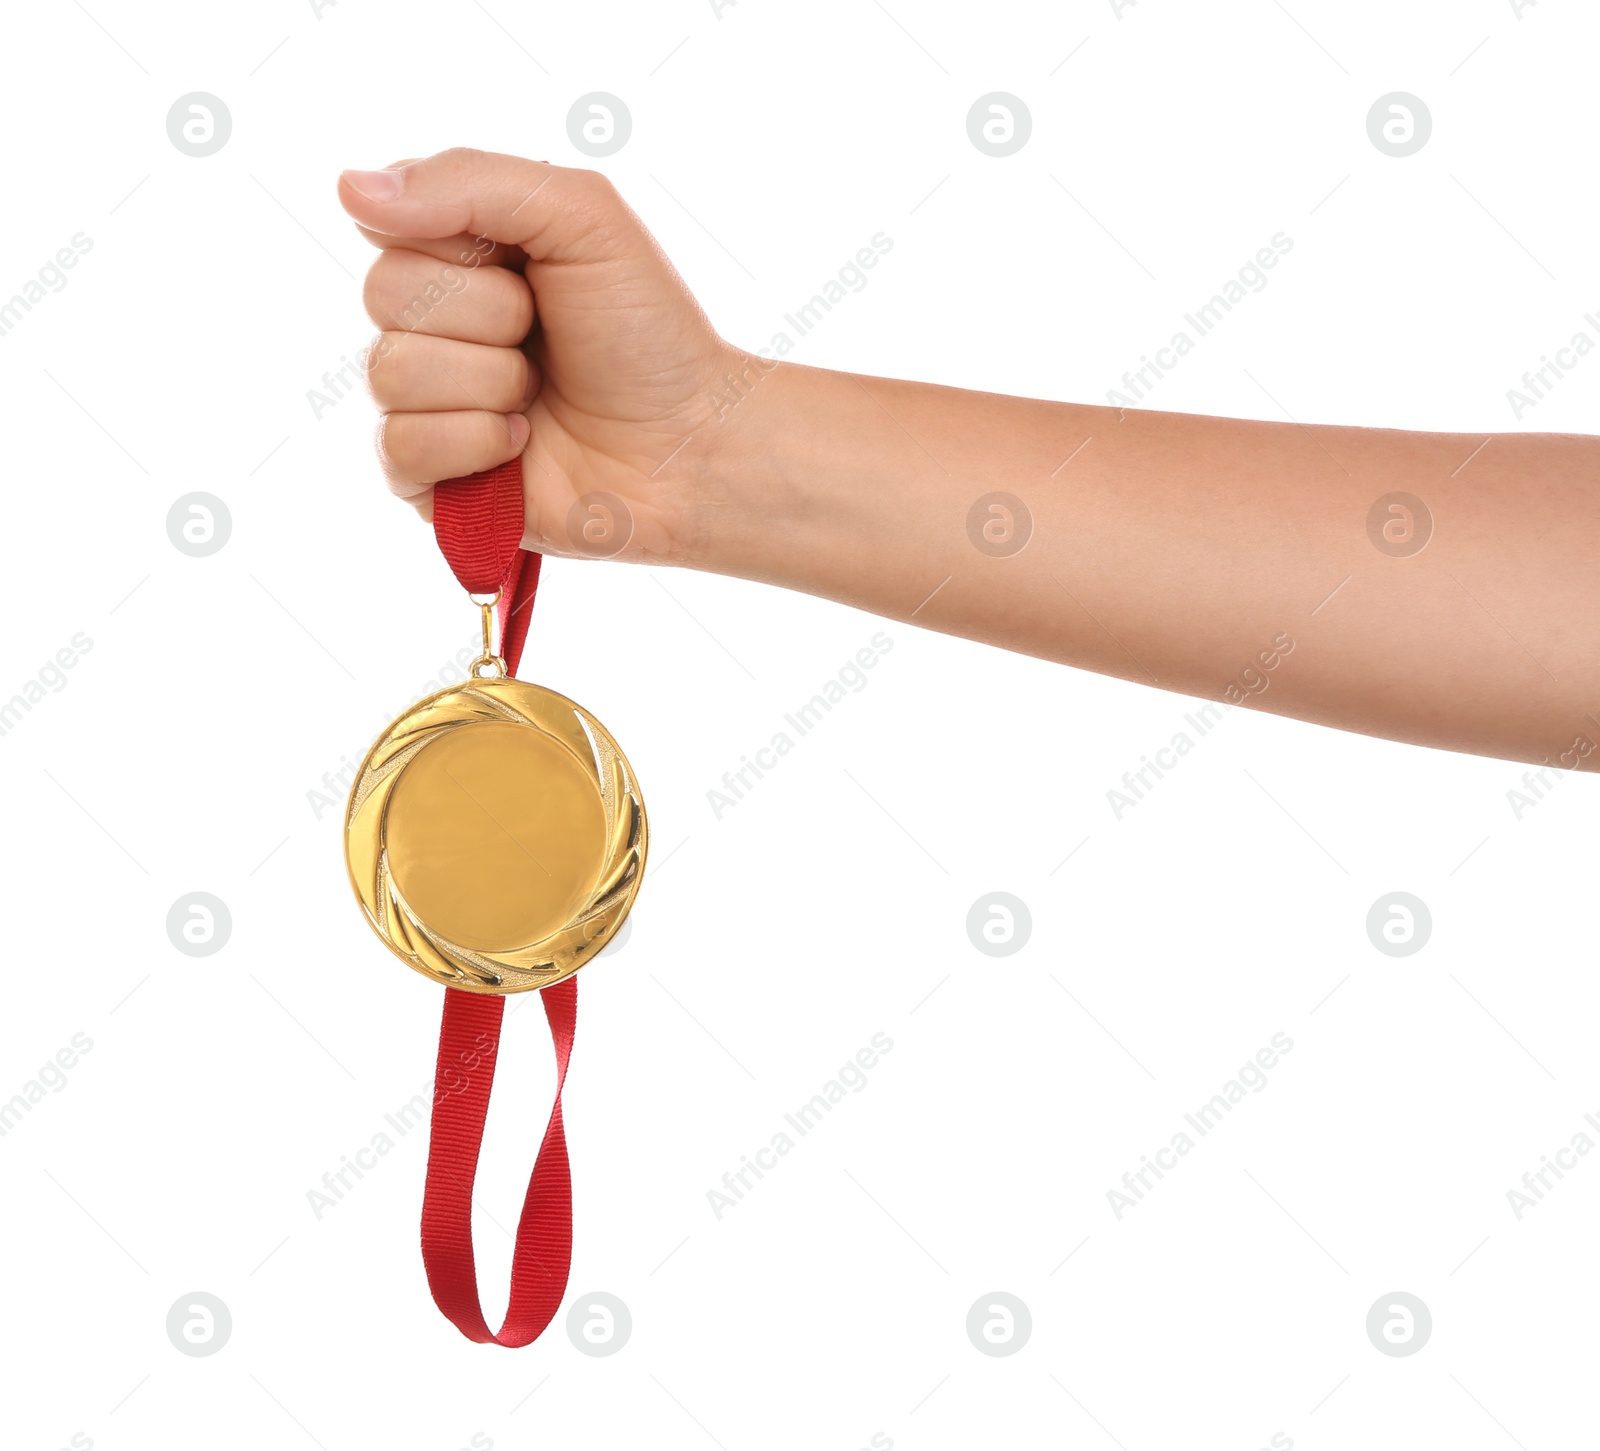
(595, 946)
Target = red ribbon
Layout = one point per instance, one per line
(478, 523)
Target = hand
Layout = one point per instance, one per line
(526, 310)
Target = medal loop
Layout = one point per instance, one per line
(488, 658)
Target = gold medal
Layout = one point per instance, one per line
(495, 835)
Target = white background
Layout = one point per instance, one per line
(769, 143)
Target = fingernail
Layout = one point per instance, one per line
(377, 186)
(519, 430)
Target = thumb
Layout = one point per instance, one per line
(546, 210)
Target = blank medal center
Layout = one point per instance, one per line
(495, 836)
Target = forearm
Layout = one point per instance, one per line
(1216, 557)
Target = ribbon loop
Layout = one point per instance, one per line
(469, 1042)
(478, 522)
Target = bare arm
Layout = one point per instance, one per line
(526, 310)
(1260, 563)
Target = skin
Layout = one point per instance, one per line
(525, 309)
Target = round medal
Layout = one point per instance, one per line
(495, 836)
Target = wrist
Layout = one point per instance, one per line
(736, 464)
(754, 482)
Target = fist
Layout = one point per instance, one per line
(524, 309)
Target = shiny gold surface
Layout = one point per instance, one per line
(495, 836)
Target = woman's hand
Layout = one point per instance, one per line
(1222, 558)
(525, 309)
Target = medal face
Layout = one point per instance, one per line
(495, 836)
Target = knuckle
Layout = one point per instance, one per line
(384, 286)
(422, 448)
(607, 224)
(516, 310)
(596, 195)
(490, 438)
(408, 445)
(385, 372)
(514, 372)
(387, 293)
(596, 184)
(392, 442)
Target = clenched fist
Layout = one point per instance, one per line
(525, 309)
